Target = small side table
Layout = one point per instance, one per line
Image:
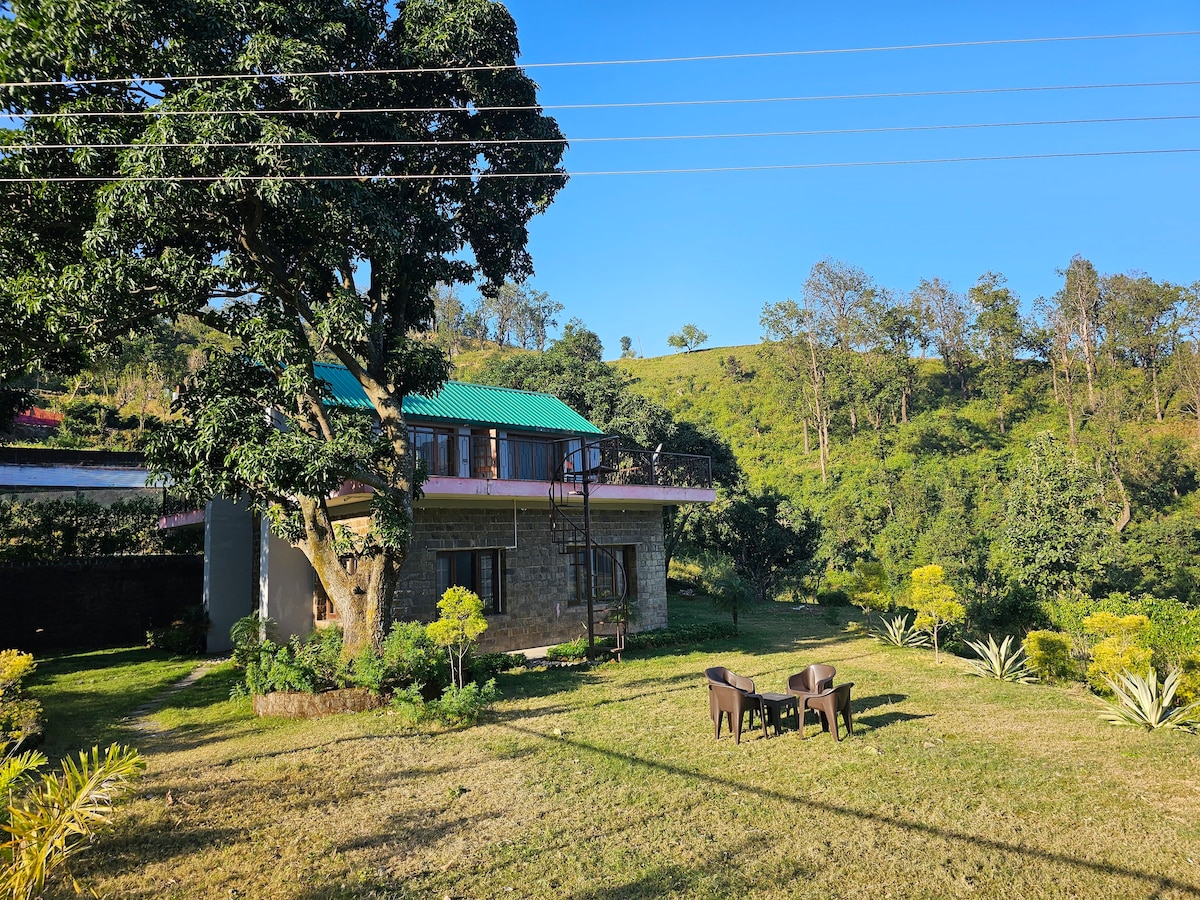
(775, 707)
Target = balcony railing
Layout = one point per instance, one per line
(603, 460)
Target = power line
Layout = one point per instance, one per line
(675, 171)
(153, 111)
(347, 73)
(222, 145)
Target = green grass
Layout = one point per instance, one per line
(86, 695)
(607, 783)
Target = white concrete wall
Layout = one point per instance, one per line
(228, 558)
(285, 585)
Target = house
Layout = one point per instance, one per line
(519, 484)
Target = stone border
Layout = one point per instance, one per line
(299, 705)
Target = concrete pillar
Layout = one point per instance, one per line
(228, 559)
(285, 586)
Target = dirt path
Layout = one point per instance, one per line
(139, 719)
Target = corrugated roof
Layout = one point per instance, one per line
(18, 476)
(469, 404)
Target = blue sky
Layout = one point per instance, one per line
(642, 255)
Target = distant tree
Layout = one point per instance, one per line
(1142, 318)
(949, 317)
(627, 351)
(936, 603)
(535, 317)
(1056, 339)
(730, 592)
(1185, 362)
(765, 535)
(865, 585)
(998, 334)
(1080, 305)
(687, 338)
(1056, 522)
(449, 326)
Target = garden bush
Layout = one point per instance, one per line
(20, 715)
(1121, 650)
(187, 634)
(646, 640)
(1049, 654)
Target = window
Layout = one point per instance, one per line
(481, 571)
(612, 567)
(437, 448)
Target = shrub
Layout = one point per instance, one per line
(646, 640)
(49, 821)
(1142, 702)
(187, 634)
(486, 666)
(1120, 651)
(245, 636)
(20, 715)
(460, 623)
(410, 657)
(1049, 654)
(1189, 680)
(462, 705)
(1001, 662)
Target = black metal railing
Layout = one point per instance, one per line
(533, 459)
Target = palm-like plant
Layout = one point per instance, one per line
(48, 822)
(896, 631)
(1142, 702)
(1001, 661)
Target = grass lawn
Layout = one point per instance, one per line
(85, 695)
(608, 783)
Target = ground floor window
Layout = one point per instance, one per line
(612, 568)
(481, 571)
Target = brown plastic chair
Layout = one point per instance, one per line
(828, 704)
(809, 683)
(731, 696)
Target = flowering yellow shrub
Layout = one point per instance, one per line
(1121, 649)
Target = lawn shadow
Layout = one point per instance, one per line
(913, 829)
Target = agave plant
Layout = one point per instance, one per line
(1001, 661)
(1142, 702)
(48, 821)
(896, 631)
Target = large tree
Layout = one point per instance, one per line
(308, 216)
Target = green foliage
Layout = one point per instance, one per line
(20, 715)
(766, 536)
(1049, 654)
(485, 667)
(52, 819)
(1121, 648)
(729, 591)
(655, 639)
(1057, 522)
(687, 338)
(866, 586)
(1188, 690)
(460, 622)
(63, 529)
(1002, 662)
(463, 705)
(186, 634)
(936, 603)
(1142, 702)
(412, 659)
(245, 636)
(896, 631)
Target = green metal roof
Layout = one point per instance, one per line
(468, 404)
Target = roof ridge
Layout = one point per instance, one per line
(474, 384)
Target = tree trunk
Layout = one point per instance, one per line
(1158, 413)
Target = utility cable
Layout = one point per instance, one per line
(269, 144)
(153, 111)
(59, 179)
(346, 73)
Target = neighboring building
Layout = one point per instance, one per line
(502, 514)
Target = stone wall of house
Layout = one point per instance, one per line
(539, 606)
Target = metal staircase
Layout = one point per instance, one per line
(579, 466)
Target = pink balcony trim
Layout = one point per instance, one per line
(180, 520)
